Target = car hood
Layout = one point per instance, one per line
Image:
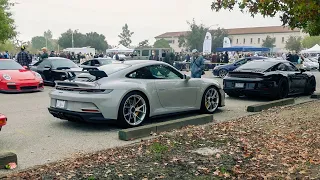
(21, 74)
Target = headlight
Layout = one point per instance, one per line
(37, 75)
(6, 77)
(216, 67)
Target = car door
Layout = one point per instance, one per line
(173, 90)
(44, 69)
(298, 79)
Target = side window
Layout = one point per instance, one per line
(164, 72)
(291, 67)
(142, 73)
(86, 63)
(281, 67)
(241, 62)
(44, 63)
(95, 63)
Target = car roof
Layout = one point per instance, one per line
(141, 62)
(272, 60)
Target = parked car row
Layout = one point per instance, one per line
(130, 92)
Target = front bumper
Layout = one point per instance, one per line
(77, 116)
(21, 86)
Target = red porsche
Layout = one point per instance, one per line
(15, 78)
(3, 121)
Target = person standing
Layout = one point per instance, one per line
(44, 54)
(23, 57)
(197, 65)
(154, 56)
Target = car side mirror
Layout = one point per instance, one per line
(47, 67)
(186, 77)
(302, 70)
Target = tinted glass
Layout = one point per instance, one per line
(105, 61)
(9, 65)
(44, 63)
(164, 72)
(142, 73)
(260, 64)
(112, 68)
(63, 63)
(291, 67)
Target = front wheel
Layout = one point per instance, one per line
(210, 100)
(133, 110)
(222, 73)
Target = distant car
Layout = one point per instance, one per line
(46, 68)
(3, 121)
(310, 65)
(130, 92)
(223, 70)
(97, 62)
(15, 78)
(271, 78)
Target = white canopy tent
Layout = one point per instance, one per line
(121, 49)
(314, 49)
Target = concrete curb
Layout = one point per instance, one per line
(6, 158)
(267, 105)
(315, 96)
(144, 131)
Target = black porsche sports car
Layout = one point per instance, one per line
(270, 78)
(47, 69)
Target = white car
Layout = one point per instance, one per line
(130, 92)
(310, 65)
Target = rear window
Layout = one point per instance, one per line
(112, 68)
(9, 65)
(260, 64)
(105, 61)
(63, 63)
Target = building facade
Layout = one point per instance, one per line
(244, 37)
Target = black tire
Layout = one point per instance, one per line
(121, 118)
(234, 95)
(203, 102)
(310, 86)
(222, 73)
(283, 89)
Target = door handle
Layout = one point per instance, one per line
(162, 89)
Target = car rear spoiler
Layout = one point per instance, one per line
(91, 70)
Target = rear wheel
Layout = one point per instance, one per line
(210, 100)
(133, 110)
(310, 86)
(222, 73)
(283, 89)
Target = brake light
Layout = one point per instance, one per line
(3, 120)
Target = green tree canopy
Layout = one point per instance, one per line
(217, 38)
(144, 44)
(47, 34)
(294, 44)
(39, 42)
(269, 42)
(7, 27)
(7, 46)
(310, 41)
(296, 14)
(194, 39)
(97, 41)
(125, 36)
(161, 43)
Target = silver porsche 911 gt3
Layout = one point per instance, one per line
(131, 92)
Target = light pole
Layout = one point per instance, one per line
(72, 37)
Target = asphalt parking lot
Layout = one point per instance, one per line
(38, 138)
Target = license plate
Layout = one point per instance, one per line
(61, 104)
(239, 85)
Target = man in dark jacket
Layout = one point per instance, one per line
(23, 57)
(154, 56)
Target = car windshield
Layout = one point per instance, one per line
(9, 65)
(112, 68)
(63, 63)
(262, 64)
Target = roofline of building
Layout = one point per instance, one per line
(293, 30)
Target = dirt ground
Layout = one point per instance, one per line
(278, 143)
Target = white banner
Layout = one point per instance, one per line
(226, 42)
(207, 44)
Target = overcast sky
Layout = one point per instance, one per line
(146, 18)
